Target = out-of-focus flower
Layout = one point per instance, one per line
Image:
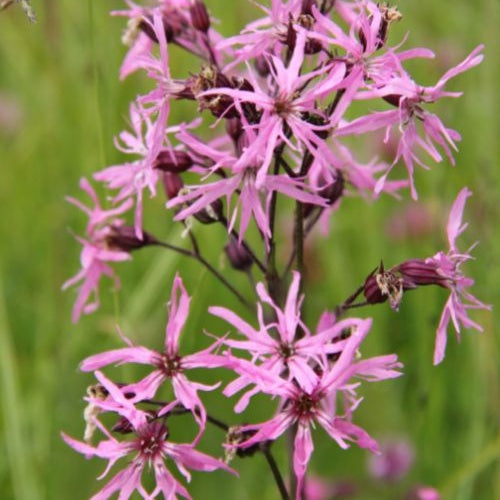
(394, 461)
(422, 492)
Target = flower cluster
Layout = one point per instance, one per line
(282, 100)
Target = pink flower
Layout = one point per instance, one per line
(286, 345)
(303, 406)
(394, 461)
(97, 251)
(409, 98)
(265, 35)
(285, 104)
(150, 447)
(252, 198)
(448, 267)
(169, 364)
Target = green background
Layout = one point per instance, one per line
(61, 104)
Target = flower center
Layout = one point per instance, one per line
(151, 439)
(170, 365)
(286, 351)
(305, 405)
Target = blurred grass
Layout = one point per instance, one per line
(60, 92)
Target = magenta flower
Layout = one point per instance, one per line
(169, 364)
(304, 407)
(150, 448)
(409, 97)
(96, 252)
(132, 178)
(285, 345)
(448, 267)
(252, 199)
(265, 35)
(284, 105)
(394, 461)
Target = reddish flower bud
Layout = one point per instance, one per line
(393, 99)
(384, 285)
(261, 65)
(211, 214)
(170, 160)
(172, 25)
(124, 238)
(418, 272)
(331, 192)
(172, 184)
(234, 128)
(211, 78)
(238, 255)
(307, 6)
(199, 16)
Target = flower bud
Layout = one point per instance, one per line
(212, 213)
(238, 255)
(393, 99)
(419, 272)
(123, 426)
(384, 285)
(172, 26)
(124, 238)
(330, 192)
(174, 161)
(307, 6)
(172, 183)
(261, 65)
(234, 128)
(199, 16)
(211, 78)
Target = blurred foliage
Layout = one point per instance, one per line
(61, 104)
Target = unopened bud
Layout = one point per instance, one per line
(389, 15)
(393, 99)
(174, 161)
(146, 26)
(291, 37)
(212, 213)
(199, 16)
(172, 183)
(262, 66)
(334, 190)
(418, 272)
(384, 285)
(234, 128)
(238, 255)
(123, 426)
(330, 192)
(124, 238)
(219, 104)
(307, 6)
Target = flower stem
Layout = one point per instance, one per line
(196, 255)
(275, 470)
